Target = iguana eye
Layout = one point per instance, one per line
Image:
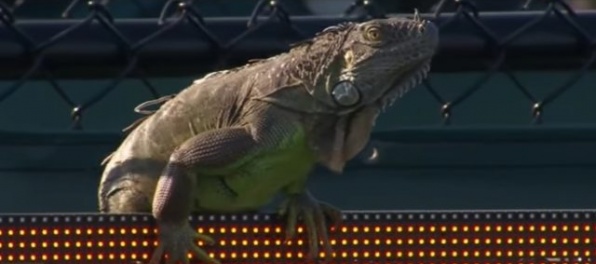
(373, 34)
(345, 94)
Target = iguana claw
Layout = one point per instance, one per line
(312, 213)
(177, 240)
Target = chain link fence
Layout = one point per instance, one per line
(68, 65)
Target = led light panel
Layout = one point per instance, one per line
(364, 237)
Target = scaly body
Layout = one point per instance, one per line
(148, 148)
(234, 139)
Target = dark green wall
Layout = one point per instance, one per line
(490, 158)
(36, 106)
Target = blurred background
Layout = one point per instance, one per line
(492, 150)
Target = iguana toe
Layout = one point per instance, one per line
(313, 214)
(177, 240)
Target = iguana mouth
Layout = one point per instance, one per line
(404, 83)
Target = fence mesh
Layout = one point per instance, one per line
(35, 59)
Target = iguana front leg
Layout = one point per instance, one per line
(175, 191)
(300, 204)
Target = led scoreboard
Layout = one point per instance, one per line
(562, 236)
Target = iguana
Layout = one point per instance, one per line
(235, 138)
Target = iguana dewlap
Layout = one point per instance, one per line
(234, 139)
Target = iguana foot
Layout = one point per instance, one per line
(312, 213)
(177, 240)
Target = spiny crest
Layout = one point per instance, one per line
(336, 28)
(331, 30)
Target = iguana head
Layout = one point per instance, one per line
(351, 65)
(380, 60)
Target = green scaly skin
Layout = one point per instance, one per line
(234, 139)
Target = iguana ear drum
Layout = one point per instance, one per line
(345, 94)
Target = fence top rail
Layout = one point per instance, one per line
(531, 40)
